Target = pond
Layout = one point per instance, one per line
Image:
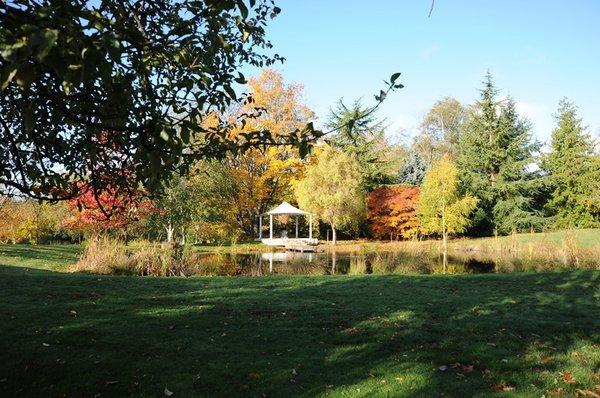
(331, 263)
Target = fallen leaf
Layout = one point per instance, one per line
(467, 368)
(502, 387)
(546, 359)
(568, 378)
(587, 393)
(168, 393)
(556, 392)
(46, 344)
(443, 368)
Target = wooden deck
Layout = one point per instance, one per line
(284, 242)
(302, 248)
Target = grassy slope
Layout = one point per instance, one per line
(82, 335)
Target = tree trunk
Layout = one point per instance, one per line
(182, 235)
(445, 251)
(333, 235)
(333, 262)
(169, 228)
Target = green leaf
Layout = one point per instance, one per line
(241, 79)
(7, 75)
(230, 92)
(25, 75)
(243, 9)
(185, 135)
(15, 52)
(394, 77)
(67, 86)
(28, 118)
(164, 135)
(42, 42)
(114, 50)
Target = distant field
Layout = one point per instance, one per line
(582, 237)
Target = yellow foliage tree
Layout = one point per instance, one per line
(332, 188)
(441, 209)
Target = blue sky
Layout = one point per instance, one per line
(537, 51)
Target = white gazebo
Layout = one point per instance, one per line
(285, 209)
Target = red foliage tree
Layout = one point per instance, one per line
(108, 201)
(393, 212)
(102, 211)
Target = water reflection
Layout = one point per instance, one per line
(378, 263)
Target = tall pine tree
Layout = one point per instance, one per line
(359, 133)
(520, 188)
(574, 171)
(495, 158)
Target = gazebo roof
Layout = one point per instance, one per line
(286, 208)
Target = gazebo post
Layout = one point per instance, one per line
(260, 226)
(296, 227)
(310, 226)
(270, 226)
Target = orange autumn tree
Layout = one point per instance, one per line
(262, 178)
(392, 212)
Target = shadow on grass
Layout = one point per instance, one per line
(50, 253)
(82, 335)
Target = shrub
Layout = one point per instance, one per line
(104, 255)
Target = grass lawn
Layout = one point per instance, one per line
(581, 237)
(48, 257)
(472, 335)
(584, 238)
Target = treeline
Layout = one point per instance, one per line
(357, 182)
